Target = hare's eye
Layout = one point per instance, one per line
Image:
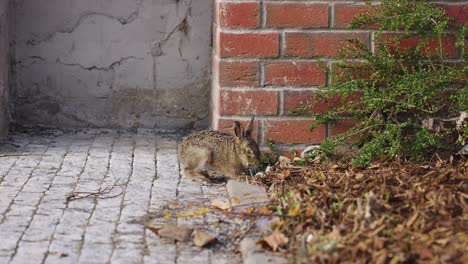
(249, 151)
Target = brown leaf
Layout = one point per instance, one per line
(154, 228)
(274, 240)
(382, 257)
(295, 210)
(201, 238)
(359, 176)
(425, 253)
(265, 210)
(236, 199)
(309, 211)
(221, 204)
(284, 174)
(178, 233)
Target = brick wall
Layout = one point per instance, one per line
(269, 56)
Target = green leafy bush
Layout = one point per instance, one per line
(412, 99)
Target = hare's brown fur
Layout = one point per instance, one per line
(217, 150)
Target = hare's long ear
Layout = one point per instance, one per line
(250, 127)
(238, 130)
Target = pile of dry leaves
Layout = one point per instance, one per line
(386, 213)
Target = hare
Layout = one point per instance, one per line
(229, 154)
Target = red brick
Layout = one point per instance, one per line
(345, 13)
(253, 45)
(339, 74)
(311, 45)
(285, 73)
(457, 12)
(296, 15)
(239, 15)
(226, 125)
(248, 102)
(294, 99)
(293, 132)
(340, 127)
(448, 44)
(238, 73)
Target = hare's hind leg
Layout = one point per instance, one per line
(195, 163)
(193, 174)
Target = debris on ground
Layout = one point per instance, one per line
(389, 212)
(332, 212)
(221, 204)
(273, 241)
(178, 233)
(201, 238)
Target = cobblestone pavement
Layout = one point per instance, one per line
(38, 224)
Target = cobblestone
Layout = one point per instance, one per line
(127, 175)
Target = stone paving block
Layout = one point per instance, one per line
(159, 251)
(128, 254)
(30, 252)
(21, 210)
(252, 255)
(99, 233)
(72, 224)
(41, 228)
(192, 255)
(28, 198)
(15, 223)
(9, 240)
(95, 253)
(83, 205)
(63, 251)
(5, 255)
(225, 258)
(245, 195)
(39, 222)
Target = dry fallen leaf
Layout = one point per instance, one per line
(155, 228)
(359, 176)
(201, 238)
(184, 214)
(197, 214)
(236, 199)
(284, 161)
(265, 210)
(284, 174)
(273, 241)
(221, 204)
(309, 211)
(294, 211)
(399, 211)
(179, 233)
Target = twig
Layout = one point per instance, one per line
(81, 195)
(239, 238)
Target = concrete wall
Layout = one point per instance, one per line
(4, 68)
(113, 63)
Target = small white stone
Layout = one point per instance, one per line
(309, 150)
(284, 161)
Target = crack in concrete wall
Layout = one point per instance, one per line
(107, 68)
(131, 63)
